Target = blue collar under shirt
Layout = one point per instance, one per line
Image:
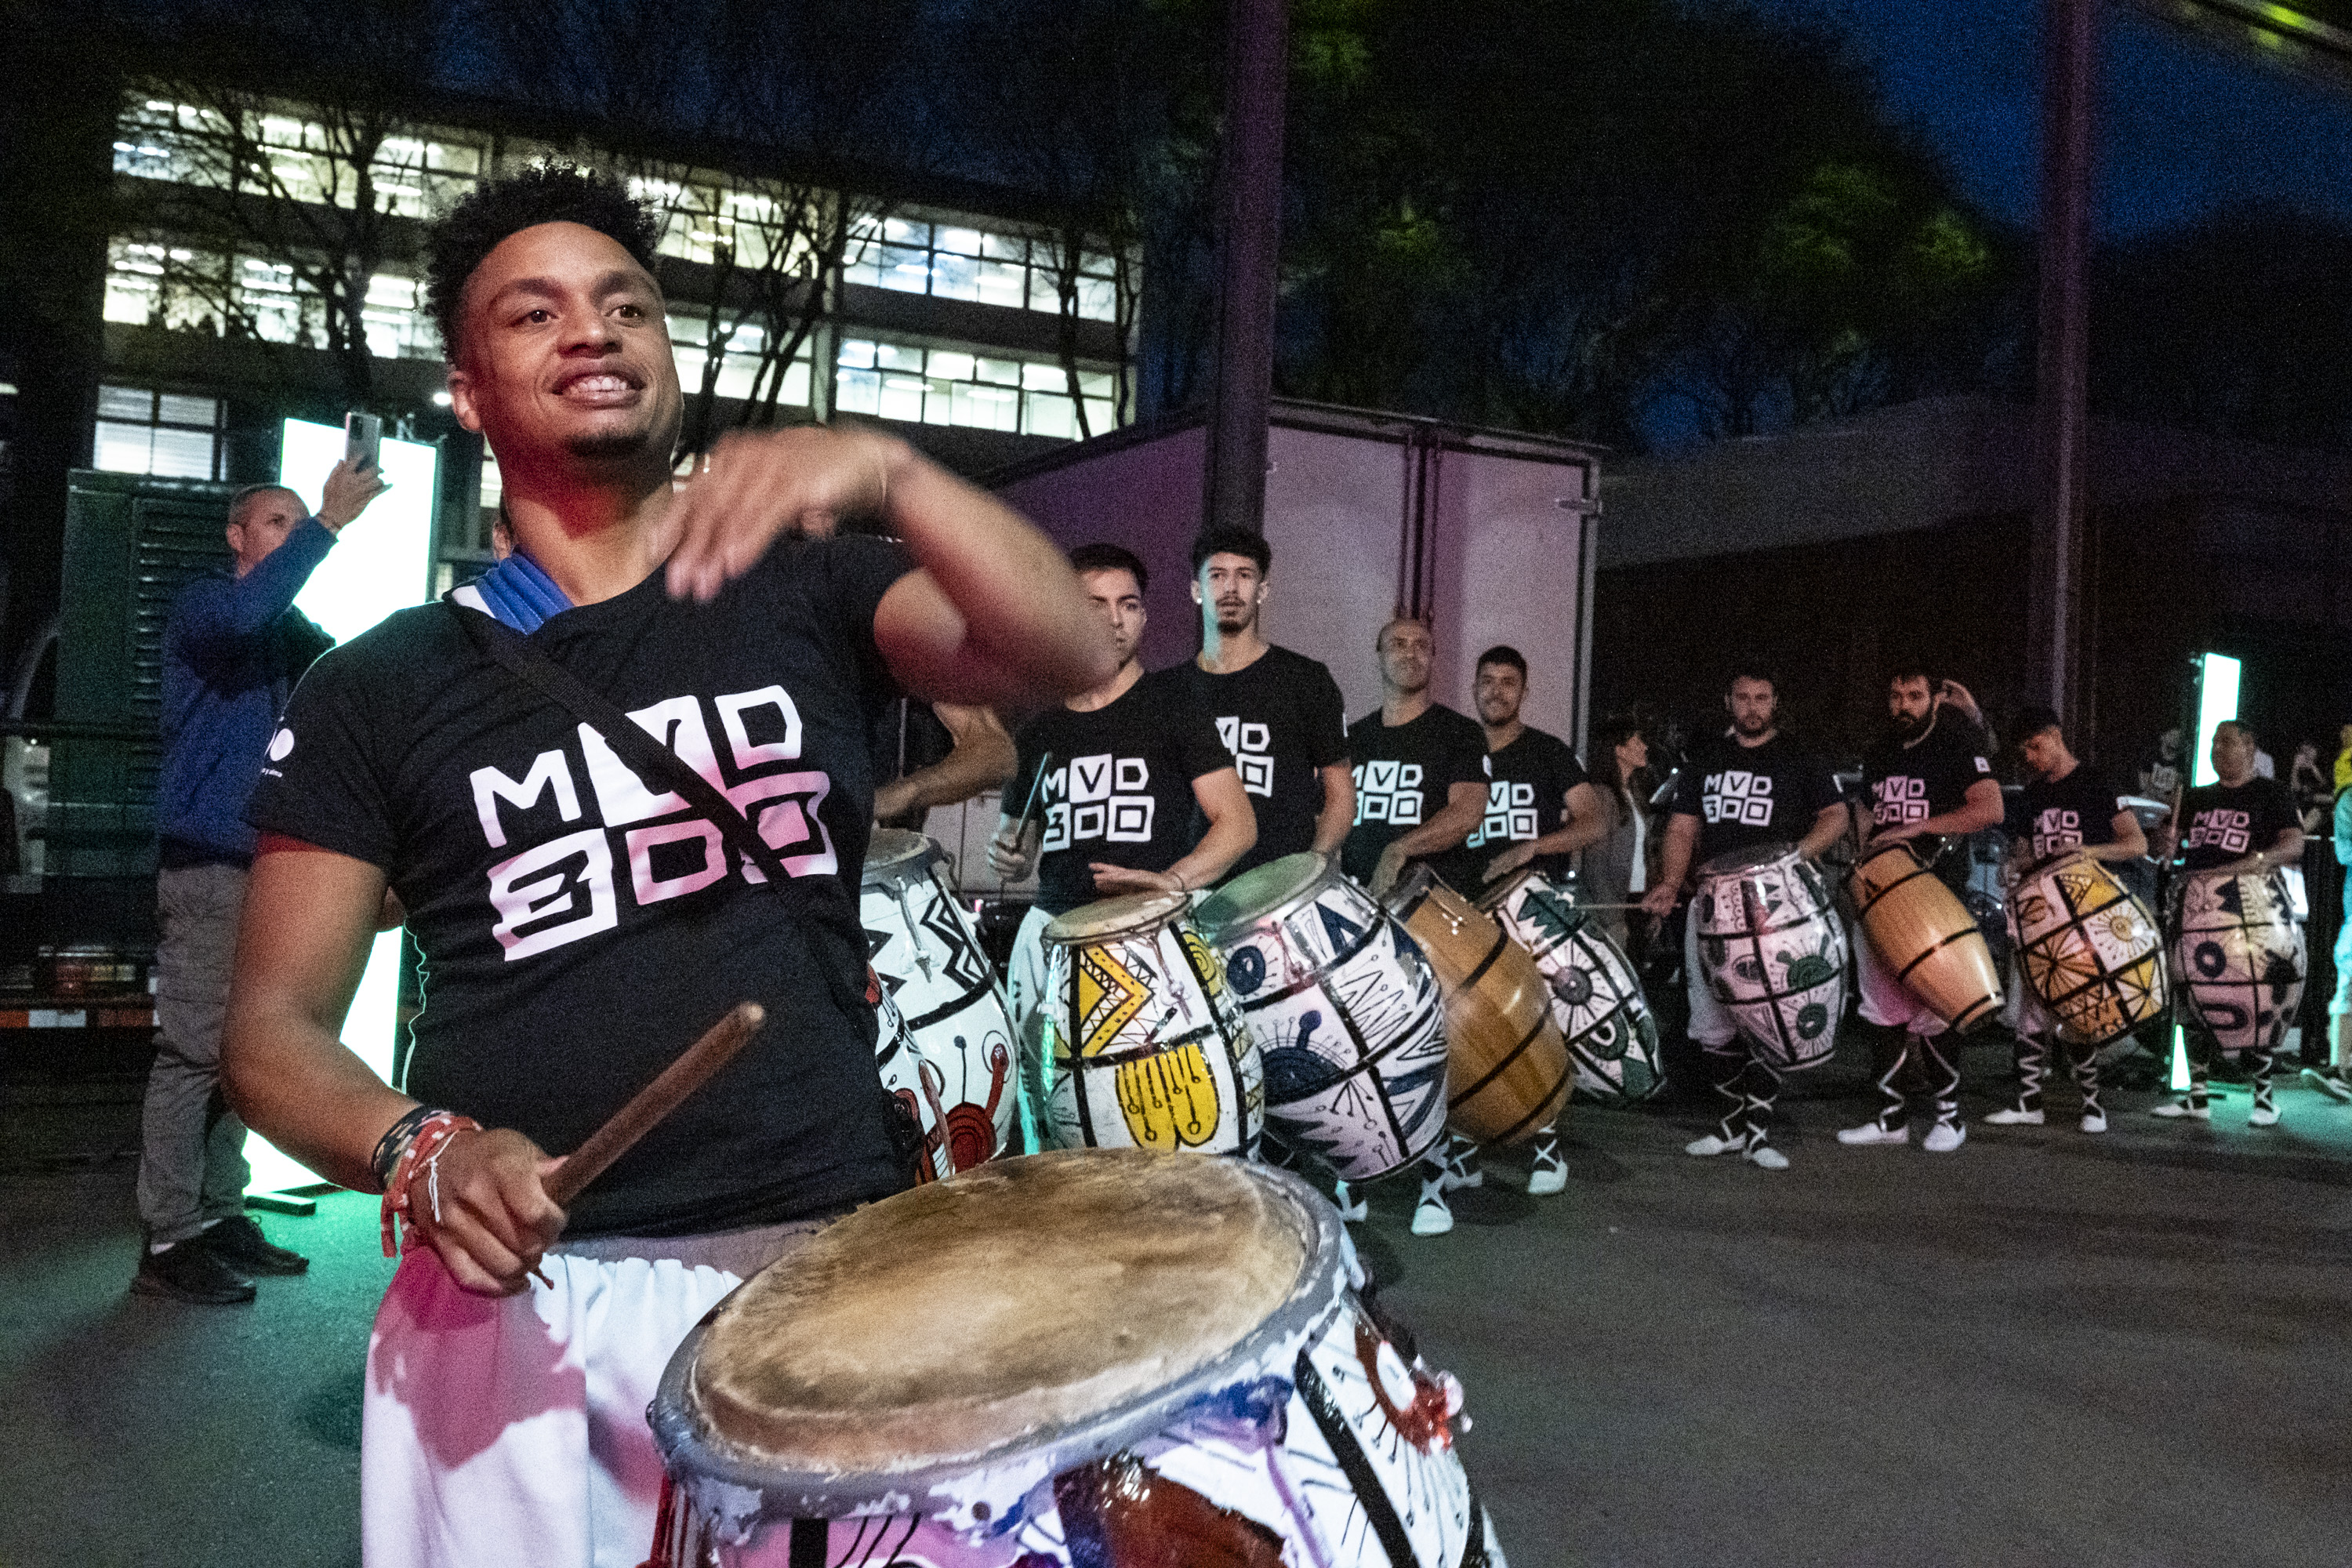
(516, 593)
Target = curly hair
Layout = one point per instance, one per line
(552, 192)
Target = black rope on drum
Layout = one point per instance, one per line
(1340, 1437)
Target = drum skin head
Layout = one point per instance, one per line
(891, 848)
(1254, 895)
(1114, 917)
(1735, 861)
(1027, 1295)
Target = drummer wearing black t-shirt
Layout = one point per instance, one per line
(1541, 807)
(2066, 804)
(1277, 711)
(1420, 769)
(2244, 822)
(1927, 776)
(581, 924)
(1124, 767)
(1751, 787)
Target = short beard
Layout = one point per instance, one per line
(610, 444)
(1757, 728)
(1227, 628)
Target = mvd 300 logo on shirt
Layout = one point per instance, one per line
(1389, 791)
(1097, 797)
(1250, 744)
(1510, 815)
(564, 889)
(1738, 797)
(2223, 829)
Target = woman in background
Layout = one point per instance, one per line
(1616, 870)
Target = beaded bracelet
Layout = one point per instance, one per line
(423, 1154)
(396, 1139)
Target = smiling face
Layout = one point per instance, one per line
(1498, 690)
(566, 356)
(1234, 589)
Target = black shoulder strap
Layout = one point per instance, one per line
(650, 760)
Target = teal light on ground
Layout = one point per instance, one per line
(381, 562)
(2217, 704)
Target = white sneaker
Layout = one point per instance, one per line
(1462, 1165)
(2179, 1109)
(2013, 1117)
(2094, 1122)
(2262, 1116)
(1707, 1148)
(1944, 1137)
(1549, 1173)
(1351, 1208)
(1871, 1132)
(1765, 1157)
(2327, 1083)
(1431, 1216)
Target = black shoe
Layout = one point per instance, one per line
(188, 1272)
(239, 1242)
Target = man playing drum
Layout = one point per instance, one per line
(2243, 824)
(1421, 787)
(1749, 787)
(1125, 764)
(580, 923)
(2066, 804)
(1926, 776)
(1277, 711)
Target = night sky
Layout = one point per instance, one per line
(2186, 126)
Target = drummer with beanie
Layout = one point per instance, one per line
(2066, 804)
(1749, 788)
(1927, 778)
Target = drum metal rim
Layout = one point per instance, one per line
(1141, 913)
(1731, 862)
(715, 1475)
(1222, 919)
(891, 849)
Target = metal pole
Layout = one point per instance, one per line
(1257, 53)
(2058, 655)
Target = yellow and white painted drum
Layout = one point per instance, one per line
(2238, 954)
(2090, 951)
(1249, 1413)
(955, 1070)
(1142, 1041)
(1596, 998)
(1772, 952)
(1344, 1009)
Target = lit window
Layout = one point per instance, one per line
(957, 386)
(141, 431)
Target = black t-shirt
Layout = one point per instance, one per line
(581, 926)
(2220, 824)
(2078, 809)
(2157, 775)
(1403, 777)
(1281, 718)
(1527, 791)
(1747, 795)
(1118, 786)
(1910, 784)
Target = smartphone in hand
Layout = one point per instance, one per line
(362, 440)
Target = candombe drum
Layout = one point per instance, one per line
(2089, 950)
(2238, 952)
(1139, 1035)
(1596, 998)
(1507, 1068)
(839, 1408)
(959, 1070)
(1344, 1009)
(1770, 949)
(1926, 937)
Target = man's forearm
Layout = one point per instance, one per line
(247, 606)
(1829, 827)
(302, 1088)
(1448, 828)
(983, 758)
(1337, 817)
(1225, 843)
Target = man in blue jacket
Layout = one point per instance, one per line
(233, 649)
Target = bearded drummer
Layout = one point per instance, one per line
(1116, 772)
(1927, 776)
(581, 924)
(2243, 824)
(1749, 787)
(2066, 804)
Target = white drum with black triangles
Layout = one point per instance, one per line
(1772, 951)
(1345, 1010)
(2238, 954)
(1596, 998)
(955, 1070)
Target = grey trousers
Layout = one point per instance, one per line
(192, 1168)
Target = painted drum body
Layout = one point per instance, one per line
(1344, 1009)
(2238, 954)
(1926, 937)
(958, 1070)
(1251, 1413)
(1507, 1073)
(2089, 950)
(1596, 998)
(1140, 1038)
(1770, 949)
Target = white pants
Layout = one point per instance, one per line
(512, 1432)
(1710, 1020)
(1887, 1001)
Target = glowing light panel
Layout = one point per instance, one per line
(2217, 703)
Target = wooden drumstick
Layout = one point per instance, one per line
(689, 1072)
